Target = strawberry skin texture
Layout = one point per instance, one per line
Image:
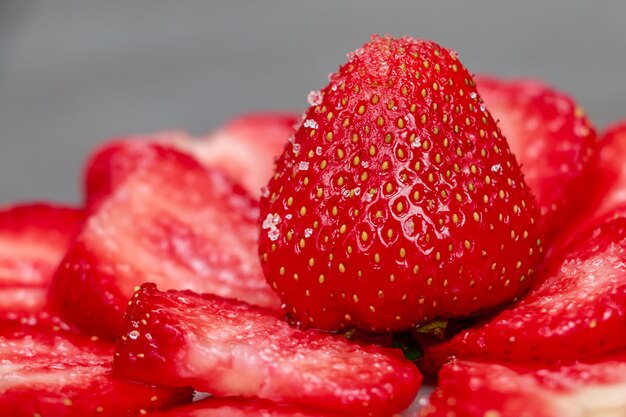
(474, 389)
(230, 348)
(398, 201)
(245, 147)
(238, 407)
(50, 371)
(171, 221)
(553, 141)
(578, 311)
(33, 239)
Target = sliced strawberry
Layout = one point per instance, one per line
(46, 370)
(172, 222)
(609, 174)
(552, 139)
(245, 148)
(239, 407)
(398, 201)
(33, 240)
(111, 163)
(226, 347)
(473, 389)
(578, 311)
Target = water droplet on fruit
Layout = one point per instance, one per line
(303, 166)
(318, 150)
(496, 168)
(308, 232)
(134, 335)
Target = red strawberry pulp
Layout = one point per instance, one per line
(229, 348)
(245, 148)
(171, 221)
(609, 174)
(49, 371)
(33, 239)
(552, 139)
(473, 389)
(110, 164)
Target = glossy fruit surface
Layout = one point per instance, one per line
(245, 147)
(398, 201)
(474, 389)
(238, 407)
(50, 371)
(577, 311)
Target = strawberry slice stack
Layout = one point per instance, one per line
(289, 266)
(231, 348)
(172, 222)
(33, 239)
(47, 367)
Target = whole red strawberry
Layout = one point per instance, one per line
(398, 201)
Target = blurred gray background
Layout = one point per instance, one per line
(73, 73)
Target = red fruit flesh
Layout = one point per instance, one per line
(33, 240)
(238, 407)
(553, 141)
(48, 371)
(229, 348)
(610, 171)
(109, 165)
(245, 148)
(172, 222)
(578, 311)
(473, 389)
(398, 201)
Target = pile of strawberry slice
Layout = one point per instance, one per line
(415, 219)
